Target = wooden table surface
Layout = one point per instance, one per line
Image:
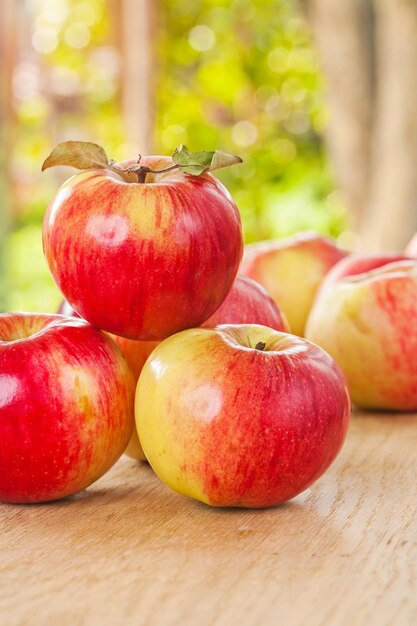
(129, 551)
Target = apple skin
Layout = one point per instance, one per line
(143, 260)
(357, 264)
(291, 270)
(66, 406)
(232, 425)
(248, 303)
(368, 323)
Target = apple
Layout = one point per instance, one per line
(291, 270)
(240, 415)
(357, 264)
(141, 259)
(66, 406)
(368, 323)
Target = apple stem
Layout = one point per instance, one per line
(142, 170)
(260, 346)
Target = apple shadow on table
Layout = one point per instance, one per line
(177, 523)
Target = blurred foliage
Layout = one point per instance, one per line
(243, 76)
(237, 75)
(66, 86)
(30, 284)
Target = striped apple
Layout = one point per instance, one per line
(66, 406)
(240, 415)
(143, 259)
(368, 323)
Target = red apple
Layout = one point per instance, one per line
(241, 415)
(355, 264)
(291, 270)
(368, 323)
(66, 406)
(143, 259)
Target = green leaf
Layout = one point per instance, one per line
(83, 155)
(195, 163)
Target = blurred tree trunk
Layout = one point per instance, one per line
(391, 215)
(368, 51)
(342, 30)
(7, 54)
(137, 24)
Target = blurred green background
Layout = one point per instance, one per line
(241, 76)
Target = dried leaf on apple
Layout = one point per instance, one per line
(83, 155)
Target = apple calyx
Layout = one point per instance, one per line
(260, 346)
(85, 155)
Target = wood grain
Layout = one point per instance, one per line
(129, 551)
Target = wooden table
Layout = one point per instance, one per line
(128, 551)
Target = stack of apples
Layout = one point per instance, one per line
(161, 349)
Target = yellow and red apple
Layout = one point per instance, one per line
(240, 415)
(142, 259)
(291, 270)
(368, 323)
